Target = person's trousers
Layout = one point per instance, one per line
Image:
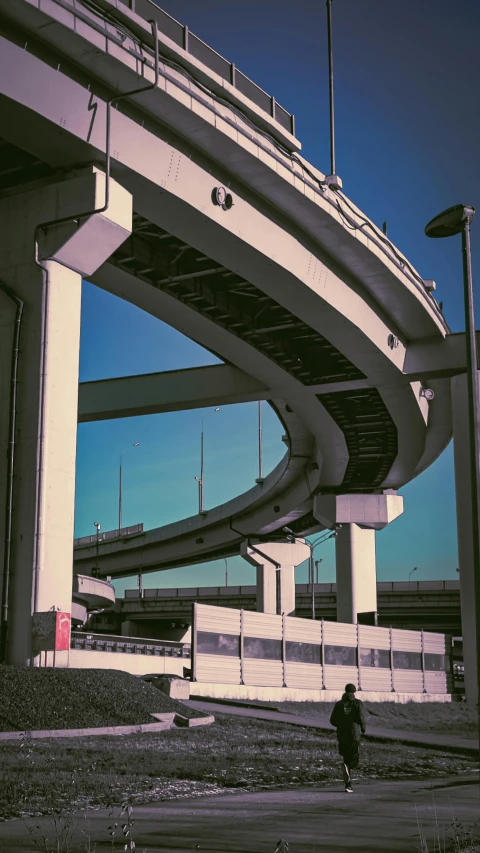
(346, 774)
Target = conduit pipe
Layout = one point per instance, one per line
(12, 420)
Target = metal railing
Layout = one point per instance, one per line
(328, 588)
(109, 534)
(128, 645)
(182, 37)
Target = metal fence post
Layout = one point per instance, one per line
(284, 651)
(392, 669)
(423, 662)
(241, 647)
(358, 657)
(193, 645)
(322, 647)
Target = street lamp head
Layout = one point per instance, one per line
(137, 443)
(96, 524)
(217, 409)
(450, 221)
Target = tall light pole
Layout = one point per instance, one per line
(457, 220)
(120, 489)
(200, 480)
(330, 87)
(97, 525)
(260, 477)
(411, 573)
(312, 545)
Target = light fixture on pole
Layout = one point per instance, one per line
(120, 489)
(200, 479)
(457, 220)
(312, 545)
(97, 525)
(260, 478)
(411, 573)
(317, 563)
(331, 180)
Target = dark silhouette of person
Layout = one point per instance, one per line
(348, 717)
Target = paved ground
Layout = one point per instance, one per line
(377, 817)
(427, 738)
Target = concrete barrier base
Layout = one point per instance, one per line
(292, 694)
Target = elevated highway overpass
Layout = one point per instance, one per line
(428, 605)
(133, 155)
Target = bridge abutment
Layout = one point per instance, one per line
(356, 518)
(275, 563)
(38, 521)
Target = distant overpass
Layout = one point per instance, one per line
(431, 605)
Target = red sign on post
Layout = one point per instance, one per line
(62, 632)
(50, 632)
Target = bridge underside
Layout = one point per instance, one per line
(293, 286)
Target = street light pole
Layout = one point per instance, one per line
(260, 477)
(330, 87)
(312, 546)
(200, 480)
(411, 573)
(457, 220)
(120, 486)
(97, 525)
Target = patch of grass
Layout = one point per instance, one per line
(456, 838)
(38, 698)
(232, 754)
(455, 718)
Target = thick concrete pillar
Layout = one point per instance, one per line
(462, 462)
(357, 518)
(40, 569)
(275, 563)
(356, 572)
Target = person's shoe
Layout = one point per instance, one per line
(348, 789)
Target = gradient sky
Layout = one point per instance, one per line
(407, 84)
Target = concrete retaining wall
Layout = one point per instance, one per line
(135, 664)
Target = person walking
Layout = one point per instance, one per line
(348, 717)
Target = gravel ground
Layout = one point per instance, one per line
(35, 698)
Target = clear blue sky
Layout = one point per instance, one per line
(408, 141)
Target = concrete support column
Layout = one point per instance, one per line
(40, 568)
(357, 518)
(356, 572)
(275, 563)
(462, 462)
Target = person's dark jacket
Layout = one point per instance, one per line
(348, 717)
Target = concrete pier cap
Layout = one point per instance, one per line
(358, 517)
(368, 511)
(275, 563)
